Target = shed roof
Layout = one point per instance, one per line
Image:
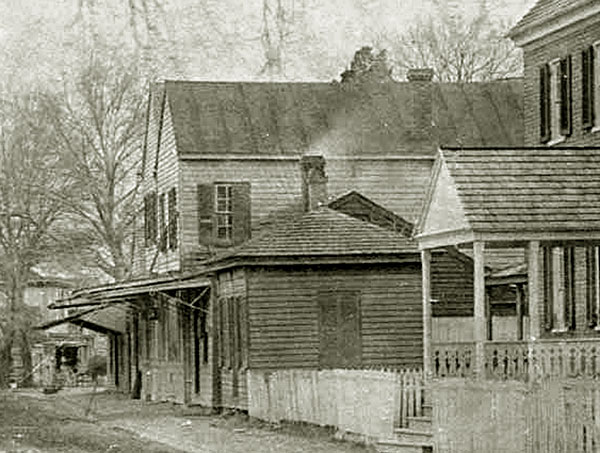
(522, 192)
(323, 233)
(364, 119)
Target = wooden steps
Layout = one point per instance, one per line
(417, 438)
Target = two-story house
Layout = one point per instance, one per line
(223, 161)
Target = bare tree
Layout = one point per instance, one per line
(99, 126)
(461, 46)
(33, 226)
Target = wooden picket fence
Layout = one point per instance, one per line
(558, 416)
(369, 403)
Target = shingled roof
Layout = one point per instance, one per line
(324, 233)
(546, 10)
(523, 191)
(293, 118)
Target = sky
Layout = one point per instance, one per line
(41, 40)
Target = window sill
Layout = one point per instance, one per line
(560, 330)
(595, 129)
(597, 328)
(556, 141)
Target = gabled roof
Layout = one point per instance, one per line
(522, 193)
(323, 233)
(375, 119)
(545, 11)
(358, 206)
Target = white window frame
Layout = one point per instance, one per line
(555, 103)
(224, 211)
(558, 289)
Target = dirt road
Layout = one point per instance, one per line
(33, 422)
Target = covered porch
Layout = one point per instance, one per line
(543, 205)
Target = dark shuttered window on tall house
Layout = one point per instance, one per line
(224, 213)
(545, 107)
(340, 344)
(163, 223)
(565, 96)
(587, 87)
(172, 219)
(150, 220)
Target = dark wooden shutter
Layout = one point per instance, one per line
(172, 219)
(241, 212)
(590, 283)
(162, 223)
(565, 96)
(587, 87)
(206, 200)
(548, 288)
(544, 103)
(146, 221)
(569, 290)
(152, 221)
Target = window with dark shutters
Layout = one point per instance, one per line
(162, 223)
(592, 286)
(544, 103)
(340, 344)
(172, 219)
(150, 221)
(587, 87)
(224, 213)
(565, 96)
(548, 288)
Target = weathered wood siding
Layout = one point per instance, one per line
(234, 389)
(161, 173)
(275, 187)
(396, 184)
(451, 285)
(284, 324)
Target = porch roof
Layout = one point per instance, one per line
(512, 195)
(120, 291)
(103, 319)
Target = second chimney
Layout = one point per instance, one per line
(314, 182)
(420, 103)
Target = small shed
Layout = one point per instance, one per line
(324, 290)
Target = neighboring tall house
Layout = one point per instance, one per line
(561, 51)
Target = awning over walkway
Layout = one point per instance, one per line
(103, 319)
(122, 291)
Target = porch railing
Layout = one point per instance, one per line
(520, 360)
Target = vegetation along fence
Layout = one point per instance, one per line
(550, 416)
(369, 403)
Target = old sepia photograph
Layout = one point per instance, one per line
(343, 226)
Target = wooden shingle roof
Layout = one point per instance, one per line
(324, 233)
(546, 10)
(528, 189)
(373, 119)
(521, 192)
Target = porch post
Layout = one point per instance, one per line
(426, 271)
(479, 311)
(534, 286)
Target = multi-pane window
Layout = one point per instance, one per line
(224, 211)
(555, 100)
(559, 288)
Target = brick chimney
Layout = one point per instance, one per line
(420, 102)
(314, 182)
